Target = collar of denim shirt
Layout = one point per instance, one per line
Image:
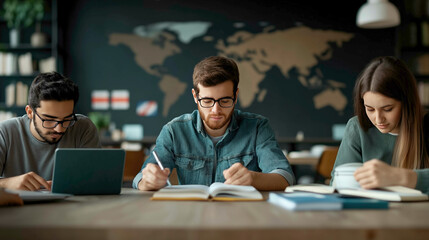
(233, 125)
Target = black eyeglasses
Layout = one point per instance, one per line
(225, 102)
(49, 124)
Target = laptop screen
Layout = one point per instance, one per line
(88, 171)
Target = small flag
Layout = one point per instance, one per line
(147, 108)
(120, 99)
(100, 99)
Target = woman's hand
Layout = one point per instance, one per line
(375, 173)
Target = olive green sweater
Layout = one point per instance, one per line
(360, 146)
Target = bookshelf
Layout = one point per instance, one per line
(22, 63)
(413, 45)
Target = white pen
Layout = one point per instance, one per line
(160, 165)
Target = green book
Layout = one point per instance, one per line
(363, 203)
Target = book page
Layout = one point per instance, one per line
(401, 189)
(315, 188)
(234, 191)
(384, 195)
(186, 188)
(182, 192)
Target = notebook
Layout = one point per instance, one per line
(88, 171)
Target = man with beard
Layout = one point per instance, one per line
(217, 143)
(28, 143)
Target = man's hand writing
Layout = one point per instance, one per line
(153, 177)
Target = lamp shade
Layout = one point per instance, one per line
(378, 14)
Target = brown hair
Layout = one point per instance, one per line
(215, 70)
(390, 77)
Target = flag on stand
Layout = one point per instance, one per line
(147, 108)
(100, 99)
(120, 99)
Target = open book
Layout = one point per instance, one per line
(217, 192)
(393, 193)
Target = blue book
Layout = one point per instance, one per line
(305, 201)
(363, 203)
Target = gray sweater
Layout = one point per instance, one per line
(360, 146)
(21, 152)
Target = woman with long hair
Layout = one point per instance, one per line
(389, 133)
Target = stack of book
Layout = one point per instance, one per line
(392, 193)
(423, 88)
(11, 64)
(324, 197)
(16, 94)
(8, 63)
(322, 202)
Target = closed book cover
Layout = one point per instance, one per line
(363, 203)
(305, 201)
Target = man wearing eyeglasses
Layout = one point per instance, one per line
(217, 143)
(28, 143)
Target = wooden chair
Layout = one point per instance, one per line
(133, 163)
(173, 177)
(325, 165)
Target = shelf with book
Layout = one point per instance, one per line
(11, 111)
(423, 89)
(413, 44)
(6, 47)
(21, 63)
(15, 93)
(413, 37)
(15, 76)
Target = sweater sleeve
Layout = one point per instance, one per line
(3, 150)
(86, 134)
(350, 148)
(270, 157)
(423, 174)
(423, 180)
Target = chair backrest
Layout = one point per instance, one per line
(133, 163)
(326, 162)
(173, 177)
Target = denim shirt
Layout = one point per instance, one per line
(183, 144)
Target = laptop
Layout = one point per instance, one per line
(81, 171)
(88, 171)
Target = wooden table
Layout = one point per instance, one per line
(132, 215)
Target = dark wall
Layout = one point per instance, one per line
(93, 63)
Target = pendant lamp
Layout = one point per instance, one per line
(378, 14)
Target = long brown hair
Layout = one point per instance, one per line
(390, 77)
